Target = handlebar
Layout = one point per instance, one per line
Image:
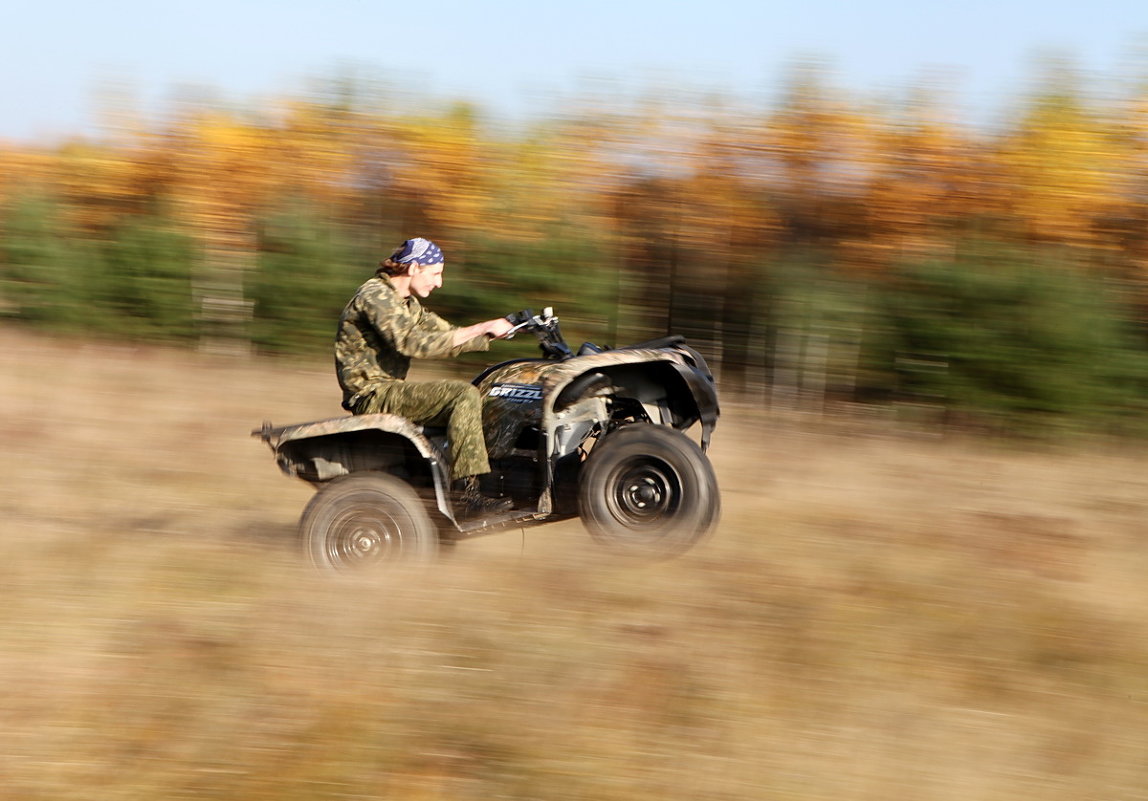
(545, 327)
(527, 319)
(553, 344)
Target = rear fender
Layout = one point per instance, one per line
(327, 449)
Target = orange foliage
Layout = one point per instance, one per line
(871, 184)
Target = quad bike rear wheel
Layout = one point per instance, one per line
(648, 490)
(361, 521)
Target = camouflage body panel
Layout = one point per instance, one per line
(326, 449)
(504, 416)
(687, 364)
(554, 380)
(277, 438)
(552, 376)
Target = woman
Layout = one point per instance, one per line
(383, 328)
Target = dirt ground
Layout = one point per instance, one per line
(882, 613)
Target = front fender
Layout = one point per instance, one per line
(705, 397)
(701, 404)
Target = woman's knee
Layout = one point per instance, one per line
(465, 392)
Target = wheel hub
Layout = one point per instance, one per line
(365, 541)
(364, 535)
(645, 492)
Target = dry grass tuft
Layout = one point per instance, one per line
(878, 617)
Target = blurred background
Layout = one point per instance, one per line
(827, 246)
(913, 245)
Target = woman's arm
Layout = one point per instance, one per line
(492, 328)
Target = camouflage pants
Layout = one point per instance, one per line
(454, 404)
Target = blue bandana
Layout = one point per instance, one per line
(418, 250)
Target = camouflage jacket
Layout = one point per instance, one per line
(380, 332)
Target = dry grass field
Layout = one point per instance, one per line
(879, 616)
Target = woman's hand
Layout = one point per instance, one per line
(497, 328)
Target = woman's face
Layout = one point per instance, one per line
(425, 280)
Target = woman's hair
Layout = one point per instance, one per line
(393, 268)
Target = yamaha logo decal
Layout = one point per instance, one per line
(517, 393)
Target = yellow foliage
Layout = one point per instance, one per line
(875, 183)
(1062, 164)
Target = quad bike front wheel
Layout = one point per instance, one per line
(648, 490)
(361, 521)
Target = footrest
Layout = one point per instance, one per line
(498, 521)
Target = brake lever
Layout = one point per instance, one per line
(510, 334)
(527, 318)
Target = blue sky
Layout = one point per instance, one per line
(517, 56)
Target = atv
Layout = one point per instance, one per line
(598, 434)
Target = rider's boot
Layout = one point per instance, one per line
(474, 504)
